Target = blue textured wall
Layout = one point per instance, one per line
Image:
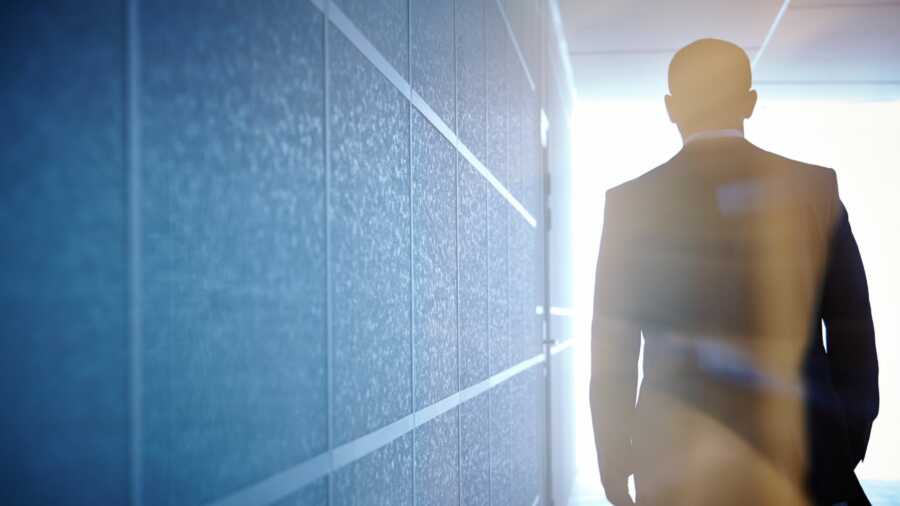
(475, 450)
(434, 264)
(473, 275)
(499, 341)
(255, 254)
(471, 81)
(431, 55)
(383, 477)
(370, 245)
(233, 212)
(63, 260)
(385, 24)
(500, 428)
(437, 461)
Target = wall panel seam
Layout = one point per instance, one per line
(329, 300)
(563, 346)
(458, 168)
(290, 480)
(132, 58)
(362, 44)
(515, 43)
(487, 222)
(408, 91)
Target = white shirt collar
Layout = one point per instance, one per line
(713, 134)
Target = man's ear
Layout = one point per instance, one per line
(671, 109)
(752, 97)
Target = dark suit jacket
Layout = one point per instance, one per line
(728, 258)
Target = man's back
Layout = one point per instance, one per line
(725, 258)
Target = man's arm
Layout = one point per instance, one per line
(615, 344)
(850, 335)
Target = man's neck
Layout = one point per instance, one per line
(728, 129)
(733, 133)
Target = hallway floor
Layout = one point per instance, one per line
(587, 491)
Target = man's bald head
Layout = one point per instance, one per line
(709, 83)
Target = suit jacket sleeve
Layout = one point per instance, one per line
(615, 344)
(850, 335)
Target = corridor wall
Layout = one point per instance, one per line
(561, 314)
(273, 252)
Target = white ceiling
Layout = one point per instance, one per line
(812, 49)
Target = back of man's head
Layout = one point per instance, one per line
(709, 83)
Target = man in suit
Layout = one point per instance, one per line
(727, 259)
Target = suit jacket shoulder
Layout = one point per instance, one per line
(815, 185)
(623, 197)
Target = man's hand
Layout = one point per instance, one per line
(615, 484)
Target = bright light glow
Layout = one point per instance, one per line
(617, 141)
